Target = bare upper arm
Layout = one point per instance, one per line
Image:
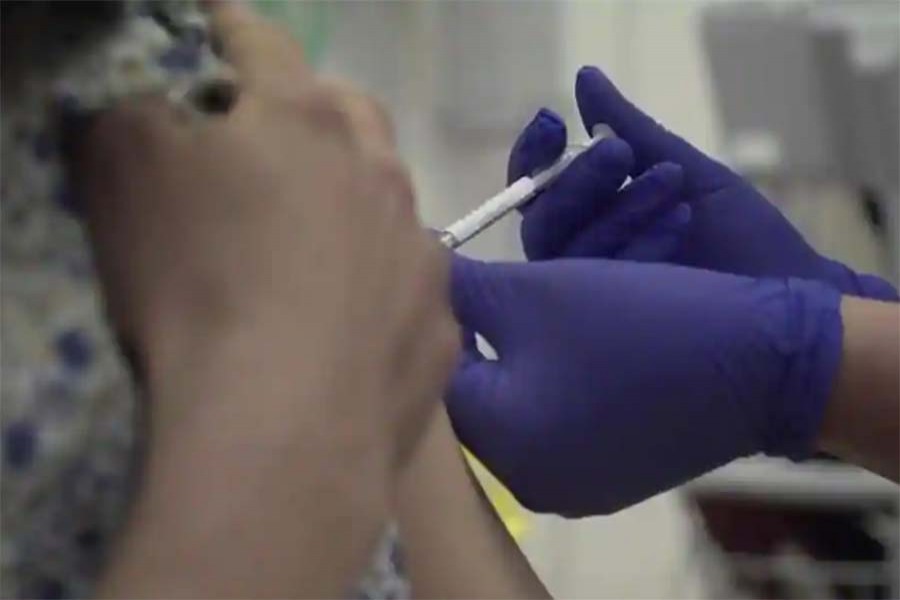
(456, 545)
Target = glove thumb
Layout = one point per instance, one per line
(482, 296)
(473, 402)
(599, 102)
(539, 144)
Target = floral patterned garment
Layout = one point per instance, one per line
(70, 419)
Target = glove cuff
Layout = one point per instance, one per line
(814, 343)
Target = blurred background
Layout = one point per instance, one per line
(802, 97)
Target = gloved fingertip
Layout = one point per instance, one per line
(600, 101)
(595, 95)
(553, 218)
(471, 406)
(548, 118)
(538, 145)
(674, 220)
(590, 75)
(612, 155)
(670, 174)
(476, 417)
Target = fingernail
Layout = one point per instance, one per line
(546, 120)
(547, 116)
(588, 71)
(542, 140)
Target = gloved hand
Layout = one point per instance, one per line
(733, 227)
(643, 221)
(617, 380)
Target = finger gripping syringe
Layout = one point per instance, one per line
(521, 191)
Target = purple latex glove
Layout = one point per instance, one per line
(644, 221)
(733, 227)
(617, 380)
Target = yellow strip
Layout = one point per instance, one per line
(514, 517)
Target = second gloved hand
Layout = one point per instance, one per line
(587, 211)
(618, 380)
(732, 229)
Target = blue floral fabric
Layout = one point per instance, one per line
(70, 418)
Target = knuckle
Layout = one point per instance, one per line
(369, 117)
(340, 109)
(278, 37)
(264, 36)
(262, 50)
(392, 172)
(323, 112)
(321, 96)
(393, 179)
(372, 117)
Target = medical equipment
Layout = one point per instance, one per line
(516, 195)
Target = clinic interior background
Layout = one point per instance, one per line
(800, 96)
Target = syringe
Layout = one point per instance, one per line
(521, 191)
